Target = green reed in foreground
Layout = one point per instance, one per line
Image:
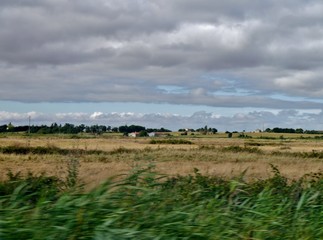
(145, 205)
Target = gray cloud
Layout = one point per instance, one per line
(264, 54)
(240, 121)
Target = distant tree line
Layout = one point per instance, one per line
(136, 128)
(292, 130)
(69, 128)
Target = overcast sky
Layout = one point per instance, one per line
(164, 63)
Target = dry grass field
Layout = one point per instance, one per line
(101, 157)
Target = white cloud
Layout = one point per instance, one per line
(298, 80)
(206, 35)
(96, 115)
(239, 121)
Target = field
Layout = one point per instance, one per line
(255, 186)
(215, 155)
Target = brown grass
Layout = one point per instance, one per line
(206, 154)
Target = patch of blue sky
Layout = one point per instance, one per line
(233, 92)
(146, 108)
(172, 89)
(295, 98)
(225, 77)
(11, 106)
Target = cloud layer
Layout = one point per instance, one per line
(244, 53)
(238, 122)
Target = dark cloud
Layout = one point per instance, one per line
(220, 53)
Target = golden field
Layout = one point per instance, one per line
(211, 154)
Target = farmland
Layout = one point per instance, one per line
(255, 186)
(104, 156)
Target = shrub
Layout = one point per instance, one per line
(122, 150)
(237, 149)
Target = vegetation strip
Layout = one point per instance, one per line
(170, 141)
(23, 150)
(145, 205)
(45, 150)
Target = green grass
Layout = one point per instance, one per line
(145, 205)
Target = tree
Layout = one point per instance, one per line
(3, 128)
(299, 130)
(10, 127)
(143, 133)
(214, 130)
(131, 128)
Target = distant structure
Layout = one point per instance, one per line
(152, 134)
(257, 131)
(133, 134)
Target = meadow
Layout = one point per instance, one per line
(108, 155)
(250, 186)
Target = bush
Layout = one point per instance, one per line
(238, 149)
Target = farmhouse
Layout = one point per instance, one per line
(257, 131)
(133, 134)
(152, 134)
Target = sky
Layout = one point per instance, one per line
(232, 65)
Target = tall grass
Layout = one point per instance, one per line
(145, 205)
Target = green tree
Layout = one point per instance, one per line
(10, 127)
(299, 130)
(214, 130)
(143, 133)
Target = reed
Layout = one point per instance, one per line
(148, 205)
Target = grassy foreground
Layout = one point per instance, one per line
(146, 205)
